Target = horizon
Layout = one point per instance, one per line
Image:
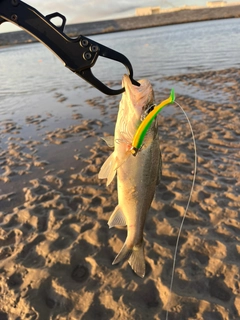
(104, 12)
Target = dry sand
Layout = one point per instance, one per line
(55, 246)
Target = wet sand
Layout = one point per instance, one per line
(55, 246)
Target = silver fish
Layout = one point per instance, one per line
(137, 176)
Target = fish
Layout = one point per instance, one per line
(137, 176)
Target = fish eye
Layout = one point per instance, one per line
(150, 108)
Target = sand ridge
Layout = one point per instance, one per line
(55, 245)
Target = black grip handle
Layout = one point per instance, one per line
(79, 54)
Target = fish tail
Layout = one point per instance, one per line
(137, 261)
(135, 258)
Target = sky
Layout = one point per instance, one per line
(93, 10)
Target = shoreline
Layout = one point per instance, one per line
(133, 23)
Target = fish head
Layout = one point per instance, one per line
(137, 98)
(135, 101)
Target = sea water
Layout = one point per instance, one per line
(29, 71)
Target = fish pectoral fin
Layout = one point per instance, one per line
(108, 169)
(110, 166)
(117, 218)
(109, 141)
(135, 258)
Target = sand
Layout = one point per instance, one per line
(55, 246)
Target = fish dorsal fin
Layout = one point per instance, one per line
(117, 218)
(109, 141)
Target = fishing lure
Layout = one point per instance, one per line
(146, 123)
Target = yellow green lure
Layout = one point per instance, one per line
(146, 123)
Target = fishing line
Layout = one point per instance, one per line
(186, 209)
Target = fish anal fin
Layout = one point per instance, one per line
(117, 218)
(108, 169)
(135, 258)
(109, 141)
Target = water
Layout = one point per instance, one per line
(32, 70)
(177, 49)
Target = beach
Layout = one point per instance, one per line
(56, 249)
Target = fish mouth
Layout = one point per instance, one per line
(141, 97)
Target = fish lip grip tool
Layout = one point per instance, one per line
(78, 54)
